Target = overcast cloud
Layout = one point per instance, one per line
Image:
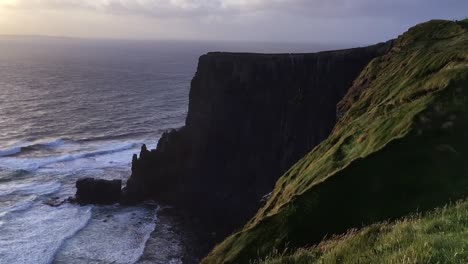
(323, 21)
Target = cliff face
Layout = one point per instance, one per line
(399, 147)
(251, 116)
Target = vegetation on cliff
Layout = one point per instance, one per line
(438, 237)
(399, 146)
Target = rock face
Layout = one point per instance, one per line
(251, 116)
(97, 191)
(399, 147)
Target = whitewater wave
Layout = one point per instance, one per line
(30, 146)
(107, 153)
(114, 235)
(36, 235)
(19, 206)
(115, 136)
(29, 188)
(10, 152)
(51, 144)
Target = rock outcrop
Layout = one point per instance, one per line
(251, 116)
(97, 191)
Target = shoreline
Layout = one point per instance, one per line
(178, 238)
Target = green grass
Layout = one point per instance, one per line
(464, 23)
(400, 147)
(439, 237)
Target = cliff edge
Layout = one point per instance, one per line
(251, 116)
(399, 147)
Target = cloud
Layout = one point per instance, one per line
(317, 8)
(290, 20)
(145, 7)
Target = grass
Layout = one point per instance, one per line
(386, 111)
(439, 237)
(401, 146)
(464, 23)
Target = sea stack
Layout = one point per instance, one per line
(98, 191)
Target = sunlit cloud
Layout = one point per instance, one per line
(152, 7)
(209, 7)
(359, 21)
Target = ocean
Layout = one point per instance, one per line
(73, 108)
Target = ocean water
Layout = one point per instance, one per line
(72, 108)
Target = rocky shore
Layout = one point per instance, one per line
(250, 118)
(178, 238)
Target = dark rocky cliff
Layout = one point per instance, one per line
(251, 116)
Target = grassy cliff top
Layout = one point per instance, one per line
(438, 237)
(399, 146)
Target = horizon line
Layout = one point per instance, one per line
(177, 40)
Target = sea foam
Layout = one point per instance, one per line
(19, 147)
(114, 235)
(116, 152)
(35, 236)
(9, 152)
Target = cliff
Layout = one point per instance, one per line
(251, 116)
(399, 147)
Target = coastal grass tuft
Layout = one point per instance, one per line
(438, 237)
(400, 147)
(464, 23)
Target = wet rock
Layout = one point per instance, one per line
(55, 202)
(98, 191)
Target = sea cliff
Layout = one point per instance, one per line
(251, 116)
(398, 148)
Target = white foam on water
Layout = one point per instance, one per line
(69, 233)
(120, 158)
(164, 246)
(20, 204)
(54, 143)
(9, 152)
(14, 144)
(114, 235)
(29, 187)
(18, 147)
(94, 155)
(35, 236)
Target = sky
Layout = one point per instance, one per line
(308, 21)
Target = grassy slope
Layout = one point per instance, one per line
(439, 237)
(401, 146)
